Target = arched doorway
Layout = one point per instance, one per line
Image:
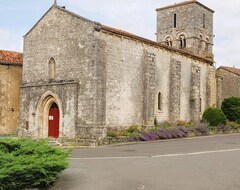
(53, 121)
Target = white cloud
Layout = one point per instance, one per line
(10, 41)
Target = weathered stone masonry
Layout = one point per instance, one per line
(149, 88)
(175, 90)
(107, 78)
(195, 99)
(10, 79)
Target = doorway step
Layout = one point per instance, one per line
(54, 142)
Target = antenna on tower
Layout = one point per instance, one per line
(55, 2)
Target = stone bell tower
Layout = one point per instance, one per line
(187, 25)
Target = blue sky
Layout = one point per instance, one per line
(136, 16)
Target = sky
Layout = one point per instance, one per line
(135, 16)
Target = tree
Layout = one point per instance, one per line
(231, 108)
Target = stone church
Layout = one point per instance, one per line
(81, 78)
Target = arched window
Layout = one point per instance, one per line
(51, 69)
(159, 101)
(168, 41)
(183, 43)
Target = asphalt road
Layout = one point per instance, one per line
(211, 163)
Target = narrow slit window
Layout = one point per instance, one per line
(175, 20)
(159, 101)
(200, 106)
(204, 18)
(207, 44)
(200, 42)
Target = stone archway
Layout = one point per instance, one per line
(47, 102)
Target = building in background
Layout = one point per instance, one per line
(228, 83)
(10, 81)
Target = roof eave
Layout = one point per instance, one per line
(193, 56)
(12, 64)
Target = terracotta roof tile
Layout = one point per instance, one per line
(233, 70)
(9, 57)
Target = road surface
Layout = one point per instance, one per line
(209, 163)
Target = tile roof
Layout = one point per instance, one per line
(233, 70)
(184, 3)
(10, 57)
(154, 43)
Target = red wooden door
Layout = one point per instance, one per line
(53, 121)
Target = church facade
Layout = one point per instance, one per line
(81, 78)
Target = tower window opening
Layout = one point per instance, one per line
(168, 41)
(159, 101)
(207, 44)
(200, 42)
(175, 20)
(204, 18)
(183, 42)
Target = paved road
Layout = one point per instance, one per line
(211, 163)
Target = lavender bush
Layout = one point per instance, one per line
(202, 129)
(176, 132)
(223, 128)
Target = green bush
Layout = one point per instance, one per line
(214, 117)
(231, 108)
(29, 164)
(129, 132)
(233, 125)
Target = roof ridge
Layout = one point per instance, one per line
(11, 51)
(233, 70)
(184, 3)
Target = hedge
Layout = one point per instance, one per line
(27, 163)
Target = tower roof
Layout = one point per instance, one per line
(185, 3)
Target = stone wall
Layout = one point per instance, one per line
(228, 85)
(175, 90)
(124, 63)
(126, 87)
(189, 19)
(10, 79)
(195, 99)
(148, 88)
(212, 87)
(33, 116)
(79, 81)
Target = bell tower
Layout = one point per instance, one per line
(187, 25)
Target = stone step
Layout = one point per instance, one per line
(87, 142)
(54, 142)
